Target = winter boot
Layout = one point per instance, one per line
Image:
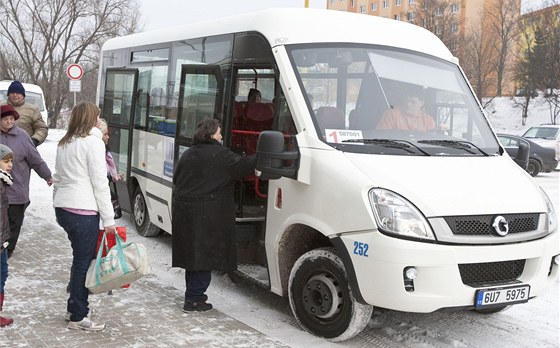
(3, 320)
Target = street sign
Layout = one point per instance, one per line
(74, 72)
(75, 86)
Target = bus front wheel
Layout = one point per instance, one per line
(141, 217)
(321, 298)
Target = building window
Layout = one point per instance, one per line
(363, 9)
(411, 1)
(439, 31)
(454, 8)
(398, 2)
(438, 11)
(454, 27)
(385, 3)
(374, 7)
(410, 16)
(397, 17)
(352, 3)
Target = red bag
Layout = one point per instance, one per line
(110, 241)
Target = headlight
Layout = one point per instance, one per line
(550, 213)
(394, 214)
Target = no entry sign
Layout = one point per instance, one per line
(74, 71)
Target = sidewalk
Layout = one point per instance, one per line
(145, 315)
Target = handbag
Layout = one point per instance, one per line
(115, 200)
(123, 264)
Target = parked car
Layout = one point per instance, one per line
(547, 135)
(541, 158)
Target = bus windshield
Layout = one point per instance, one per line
(378, 100)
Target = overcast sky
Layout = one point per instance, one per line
(167, 13)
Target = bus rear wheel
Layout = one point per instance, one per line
(321, 298)
(141, 217)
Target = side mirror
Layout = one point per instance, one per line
(273, 162)
(522, 157)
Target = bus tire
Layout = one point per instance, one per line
(321, 298)
(141, 217)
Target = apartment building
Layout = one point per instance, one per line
(453, 21)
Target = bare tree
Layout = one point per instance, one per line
(439, 17)
(40, 38)
(502, 18)
(476, 55)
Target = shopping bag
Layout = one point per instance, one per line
(110, 242)
(123, 264)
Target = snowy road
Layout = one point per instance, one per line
(534, 324)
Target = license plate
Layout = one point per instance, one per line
(498, 296)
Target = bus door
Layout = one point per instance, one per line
(118, 110)
(200, 96)
(252, 111)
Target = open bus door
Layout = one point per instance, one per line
(119, 106)
(200, 96)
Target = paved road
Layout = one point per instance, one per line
(145, 315)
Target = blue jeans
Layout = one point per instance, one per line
(82, 232)
(3, 269)
(197, 282)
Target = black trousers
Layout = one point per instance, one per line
(16, 213)
(197, 282)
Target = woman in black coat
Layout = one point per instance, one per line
(203, 211)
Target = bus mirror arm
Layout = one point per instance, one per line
(273, 162)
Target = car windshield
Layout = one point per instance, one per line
(550, 133)
(386, 101)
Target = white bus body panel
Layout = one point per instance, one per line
(148, 168)
(272, 24)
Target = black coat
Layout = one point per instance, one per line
(203, 208)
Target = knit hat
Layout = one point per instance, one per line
(7, 110)
(4, 151)
(16, 87)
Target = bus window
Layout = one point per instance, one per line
(151, 100)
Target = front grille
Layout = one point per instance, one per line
(481, 225)
(476, 274)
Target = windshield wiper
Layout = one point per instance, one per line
(396, 144)
(456, 144)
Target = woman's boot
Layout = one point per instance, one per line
(3, 320)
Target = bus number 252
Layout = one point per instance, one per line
(361, 249)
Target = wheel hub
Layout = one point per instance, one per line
(139, 210)
(320, 296)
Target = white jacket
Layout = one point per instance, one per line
(80, 178)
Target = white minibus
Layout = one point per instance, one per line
(33, 94)
(351, 206)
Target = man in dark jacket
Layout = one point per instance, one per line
(203, 211)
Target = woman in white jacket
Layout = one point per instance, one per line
(81, 197)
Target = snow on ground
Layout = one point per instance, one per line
(533, 324)
(505, 118)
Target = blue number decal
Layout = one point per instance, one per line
(361, 249)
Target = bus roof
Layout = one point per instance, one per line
(284, 26)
